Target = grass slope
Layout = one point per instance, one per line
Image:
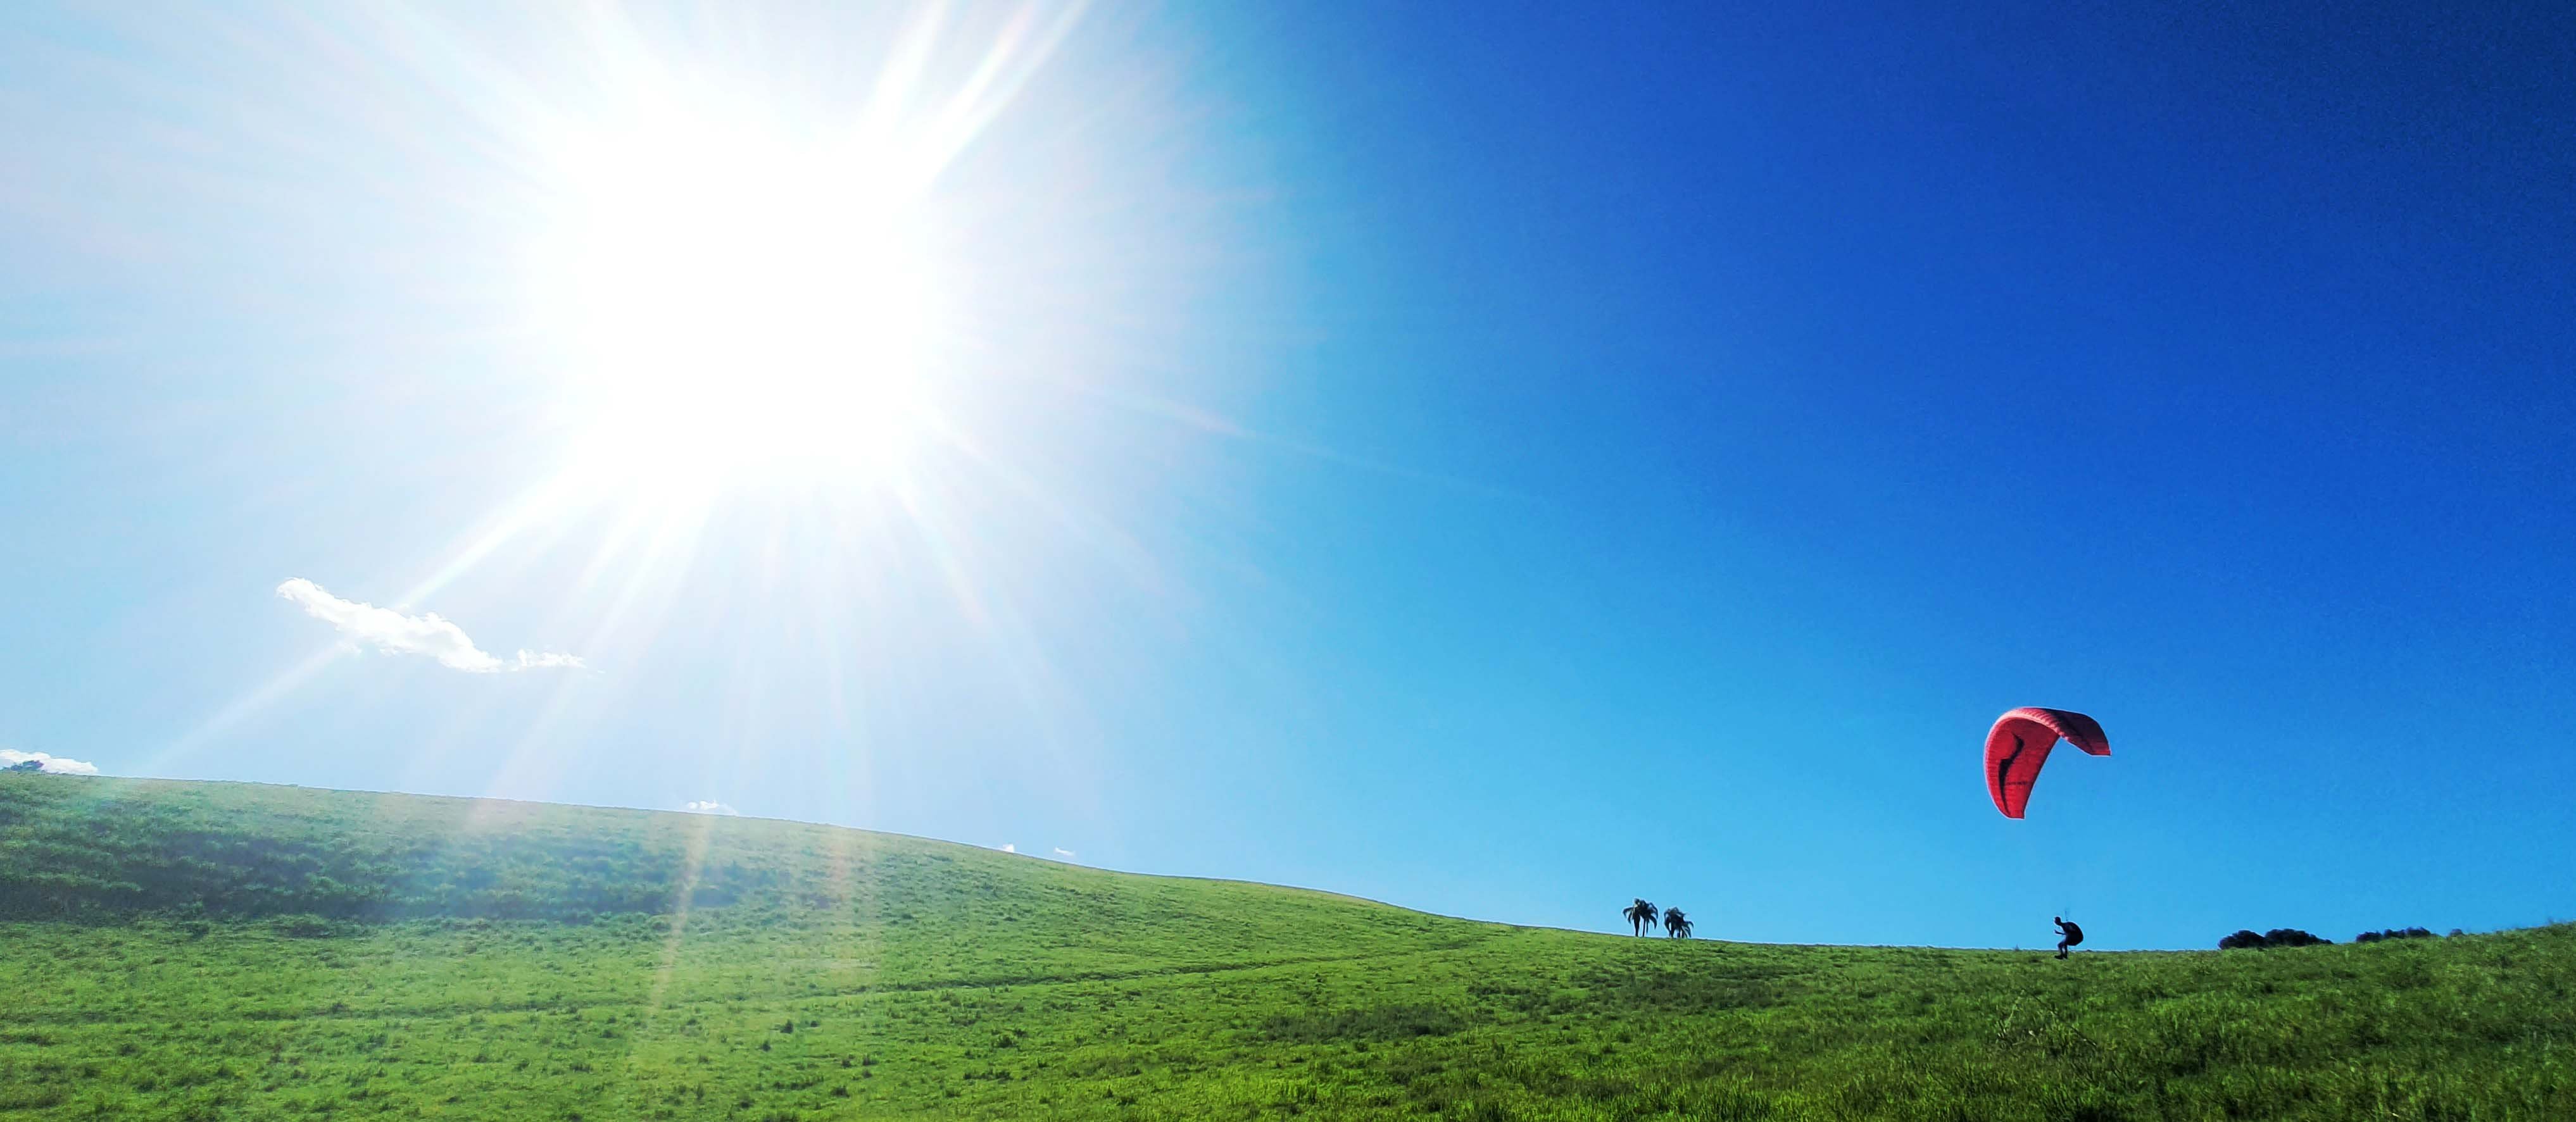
(185, 950)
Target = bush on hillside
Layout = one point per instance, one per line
(2276, 937)
(2392, 933)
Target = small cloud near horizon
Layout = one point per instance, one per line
(1010, 848)
(47, 762)
(709, 806)
(1062, 852)
(392, 632)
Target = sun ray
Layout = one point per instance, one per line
(1115, 544)
(549, 499)
(1016, 56)
(241, 709)
(676, 535)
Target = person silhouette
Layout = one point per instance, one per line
(2069, 935)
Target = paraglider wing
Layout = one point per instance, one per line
(2019, 744)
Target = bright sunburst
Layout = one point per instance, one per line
(743, 302)
(787, 325)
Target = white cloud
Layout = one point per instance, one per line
(54, 764)
(426, 634)
(1062, 852)
(1010, 848)
(709, 806)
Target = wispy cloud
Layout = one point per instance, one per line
(1007, 847)
(1062, 852)
(54, 764)
(426, 634)
(709, 806)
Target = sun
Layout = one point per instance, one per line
(742, 302)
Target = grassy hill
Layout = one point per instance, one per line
(193, 950)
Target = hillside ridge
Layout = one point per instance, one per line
(107, 846)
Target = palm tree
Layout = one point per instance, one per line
(1675, 924)
(1641, 915)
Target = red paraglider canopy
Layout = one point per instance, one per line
(2020, 743)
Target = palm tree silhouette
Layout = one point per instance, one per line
(1676, 925)
(1641, 915)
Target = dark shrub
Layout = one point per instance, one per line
(2241, 941)
(2292, 937)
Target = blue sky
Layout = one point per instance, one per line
(1498, 463)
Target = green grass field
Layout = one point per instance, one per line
(190, 950)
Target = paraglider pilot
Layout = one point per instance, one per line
(2070, 935)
